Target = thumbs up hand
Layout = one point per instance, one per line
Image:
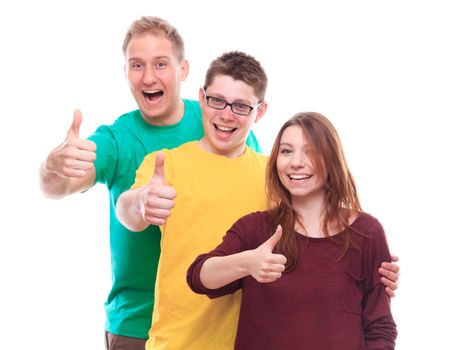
(75, 156)
(73, 132)
(264, 265)
(156, 199)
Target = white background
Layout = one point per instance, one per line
(382, 71)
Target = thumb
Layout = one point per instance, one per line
(158, 173)
(272, 241)
(73, 131)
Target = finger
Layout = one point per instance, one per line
(393, 276)
(78, 164)
(269, 277)
(158, 173)
(395, 258)
(272, 241)
(388, 283)
(71, 172)
(74, 153)
(279, 267)
(281, 259)
(82, 144)
(390, 266)
(157, 217)
(267, 280)
(156, 203)
(154, 221)
(158, 213)
(390, 292)
(277, 259)
(73, 131)
(165, 192)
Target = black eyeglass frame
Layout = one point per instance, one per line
(231, 105)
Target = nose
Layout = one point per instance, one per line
(227, 114)
(297, 161)
(149, 76)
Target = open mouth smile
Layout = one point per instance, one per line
(224, 129)
(152, 95)
(299, 177)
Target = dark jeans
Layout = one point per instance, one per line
(118, 342)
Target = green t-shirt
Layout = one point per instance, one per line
(121, 147)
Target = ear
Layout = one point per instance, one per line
(201, 96)
(184, 70)
(261, 111)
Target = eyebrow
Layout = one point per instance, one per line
(141, 59)
(306, 147)
(222, 97)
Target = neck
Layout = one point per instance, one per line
(171, 118)
(310, 212)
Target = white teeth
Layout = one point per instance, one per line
(222, 128)
(299, 177)
(151, 91)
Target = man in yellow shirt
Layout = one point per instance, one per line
(218, 179)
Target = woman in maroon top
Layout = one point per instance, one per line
(308, 266)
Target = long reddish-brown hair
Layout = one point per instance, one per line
(340, 194)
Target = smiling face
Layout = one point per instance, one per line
(225, 133)
(154, 75)
(295, 166)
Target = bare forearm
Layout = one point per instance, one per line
(129, 212)
(219, 271)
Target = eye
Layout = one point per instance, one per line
(285, 151)
(310, 152)
(136, 66)
(241, 108)
(161, 65)
(217, 101)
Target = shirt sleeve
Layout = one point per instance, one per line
(106, 162)
(232, 243)
(378, 324)
(253, 143)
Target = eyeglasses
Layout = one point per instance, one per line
(236, 108)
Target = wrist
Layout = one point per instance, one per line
(140, 203)
(245, 262)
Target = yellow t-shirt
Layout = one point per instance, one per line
(212, 193)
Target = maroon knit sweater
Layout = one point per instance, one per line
(322, 304)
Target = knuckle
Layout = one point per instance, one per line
(92, 157)
(67, 151)
(67, 162)
(151, 201)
